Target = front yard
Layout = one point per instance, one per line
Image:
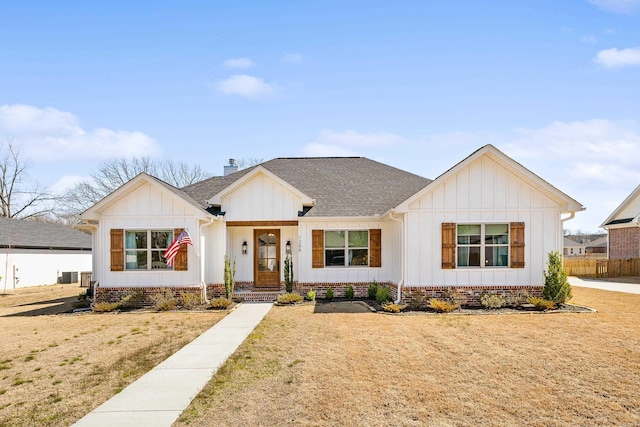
(306, 368)
(303, 367)
(54, 369)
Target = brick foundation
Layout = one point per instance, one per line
(624, 243)
(467, 295)
(116, 294)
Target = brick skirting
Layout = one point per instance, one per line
(103, 294)
(465, 295)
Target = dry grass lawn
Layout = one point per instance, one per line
(54, 369)
(305, 368)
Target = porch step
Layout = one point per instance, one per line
(257, 296)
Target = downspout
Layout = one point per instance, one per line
(402, 256)
(562, 220)
(200, 269)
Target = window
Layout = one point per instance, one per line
(483, 245)
(346, 248)
(144, 249)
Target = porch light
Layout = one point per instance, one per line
(244, 247)
(288, 247)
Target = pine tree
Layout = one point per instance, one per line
(556, 286)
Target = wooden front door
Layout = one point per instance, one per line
(266, 258)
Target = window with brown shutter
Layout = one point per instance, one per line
(375, 248)
(448, 245)
(517, 244)
(317, 248)
(117, 249)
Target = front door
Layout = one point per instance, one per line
(266, 264)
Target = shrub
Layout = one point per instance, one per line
(190, 300)
(289, 298)
(134, 299)
(311, 295)
(418, 301)
(452, 296)
(441, 306)
(516, 298)
(492, 300)
(373, 290)
(82, 301)
(229, 276)
(220, 303)
(542, 304)
(383, 295)
(104, 307)
(165, 300)
(288, 274)
(391, 307)
(349, 292)
(556, 287)
(329, 294)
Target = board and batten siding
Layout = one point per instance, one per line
(482, 192)
(148, 207)
(261, 198)
(390, 233)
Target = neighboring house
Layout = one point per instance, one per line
(572, 248)
(35, 253)
(623, 228)
(488, 223)
(597, 247)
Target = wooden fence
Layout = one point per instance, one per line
(602, 267)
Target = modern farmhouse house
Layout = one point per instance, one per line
(487, 223)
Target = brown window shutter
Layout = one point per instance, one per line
(448, 245)
(117, 249)
(317, 248)
(375, 248)
(517, 244)
(181, 260)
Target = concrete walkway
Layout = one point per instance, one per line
(159, 397)
(605, 285)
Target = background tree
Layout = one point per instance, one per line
(20, 197)
(114, 173)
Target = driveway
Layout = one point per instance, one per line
(606, 284)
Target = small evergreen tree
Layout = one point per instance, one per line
(288, 274)
(229, 276)
(556, 286)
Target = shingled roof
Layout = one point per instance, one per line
(341, 186)
(19, 233)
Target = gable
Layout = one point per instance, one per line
(627, 212)
(483, 184)
(261, 196)
(145, 195)
(488, 179)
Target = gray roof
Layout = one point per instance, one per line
(341, 186)
(19, 233)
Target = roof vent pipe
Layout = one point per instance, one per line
(232, 167)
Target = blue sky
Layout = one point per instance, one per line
(415, 84)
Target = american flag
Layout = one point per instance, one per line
(171, 252)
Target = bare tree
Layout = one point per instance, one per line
(19, 197)
(115, 172)
(248, 162)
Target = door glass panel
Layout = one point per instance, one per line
(267, 252)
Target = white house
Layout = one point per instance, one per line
(35, 253)
(486, 223)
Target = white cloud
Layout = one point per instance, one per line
(48, 135)
(618, 6)
(292, 58)
(67, 182)
(245, 85)
(238, 63)
(588, 38)
(614, 58)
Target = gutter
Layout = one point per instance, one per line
(200, 273)
(402, 255)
